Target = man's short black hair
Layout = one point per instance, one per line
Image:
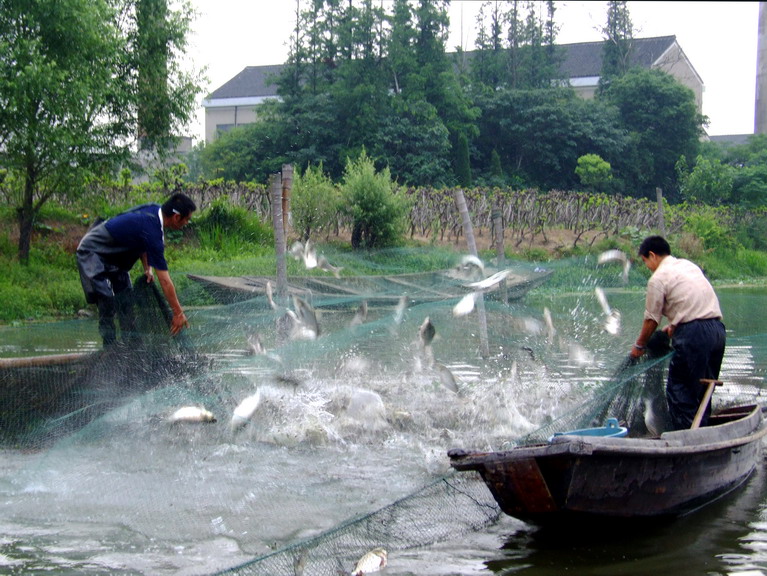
(178, 204)
(655, 244)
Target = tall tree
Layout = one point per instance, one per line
(619, 36)
(663, 123)
(68, 97)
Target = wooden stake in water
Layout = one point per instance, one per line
(275, 182)
(468, 230)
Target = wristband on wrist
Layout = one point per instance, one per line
(638, 347)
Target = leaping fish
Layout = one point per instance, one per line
(490, 281)
(310, 256)
(619, 256)
(270, 295)
(323, 264)
(446, 377)
(399, 311)
(192, 414)
(550, 330)
(465, 305)
(471, 266)
(426, 332)
(612, 317)
(307, 318)
(245, 410)
(361, 315)
(373, 561)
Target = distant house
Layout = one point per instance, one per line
(233, 104)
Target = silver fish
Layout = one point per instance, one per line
(270, 295)
(245, 410)
(373, 561)
(307, 318)
(426, 332)
(192, 414)
(399, 311)
(323, 264)
(616, 256)
(602, 300)
(255, 346)
(310, 256)
(550, 330)
(446, 377)
(612, 317)
(490, 281)
(361, 315)
(465, 305)
(297, 250)
(612, 256)
(471, 266)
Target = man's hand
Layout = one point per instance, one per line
(178, 323)
(149, 275)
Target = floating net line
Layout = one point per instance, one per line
(347, 448)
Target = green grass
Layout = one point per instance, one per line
(48, 288)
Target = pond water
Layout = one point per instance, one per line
(347, 425)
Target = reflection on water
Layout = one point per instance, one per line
(347, 424)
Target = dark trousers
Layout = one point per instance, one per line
(698, 353)
(109, 287)
(120, 305)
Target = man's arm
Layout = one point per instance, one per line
(179, 321)
(147, 268)
(648, 327)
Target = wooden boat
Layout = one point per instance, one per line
(419, 286)
(579, 477)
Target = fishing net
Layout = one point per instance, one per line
(331, 433)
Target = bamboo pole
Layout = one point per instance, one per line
(661, 217)
(468, 230)
(275, 183)
(500, 252)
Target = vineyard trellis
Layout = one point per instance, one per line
(524, 214)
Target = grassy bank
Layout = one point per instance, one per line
(48, 288)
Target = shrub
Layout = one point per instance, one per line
(314, 202)
(371, 200)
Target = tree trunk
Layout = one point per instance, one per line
(26, 219)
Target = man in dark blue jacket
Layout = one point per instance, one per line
(109, 250)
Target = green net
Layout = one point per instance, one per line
(331, 433)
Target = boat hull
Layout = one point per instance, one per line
(620, 477)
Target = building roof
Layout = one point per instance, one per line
(584, 59)
(258, 81)
(581, 60)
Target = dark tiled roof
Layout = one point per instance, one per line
(731, 139)
(253, 81)
(585, 59)
(580, 60)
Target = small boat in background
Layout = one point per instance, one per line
(610, 476)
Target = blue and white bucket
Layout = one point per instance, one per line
(611, 429)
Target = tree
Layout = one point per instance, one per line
(370, 199)
(163, 90)
(68, 97)
(710, 182)
(663, 124)
(593, 172)
(616, 52)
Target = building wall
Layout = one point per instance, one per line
(223, 118)
(760, 102)
(675, 62)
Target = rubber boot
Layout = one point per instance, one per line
(107, 328)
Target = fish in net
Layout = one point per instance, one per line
(342, 443)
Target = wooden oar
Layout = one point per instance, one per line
(704, 403)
